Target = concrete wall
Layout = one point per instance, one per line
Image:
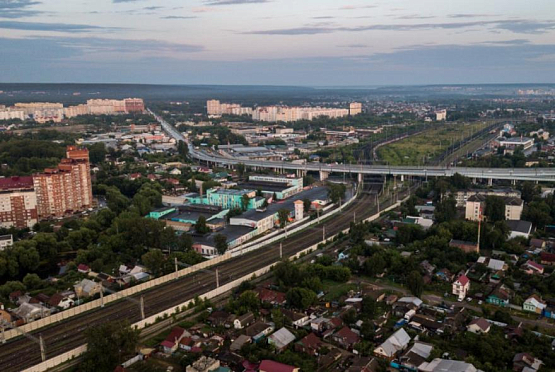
(62, 315)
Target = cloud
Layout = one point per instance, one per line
(125, 1)
(153, 7)
(56, 27)
(354, 46)
(415, 16)
(323, 17)
(178, 17)
(18, 8)
(463, 15)
(355, 7)
(234, 2)
(77, 46)
(515, 26)
(507, 42)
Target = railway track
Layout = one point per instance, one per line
(21, 353)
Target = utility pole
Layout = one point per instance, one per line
(217, 279)
(142, 307)
(280, 250)
(324, 233)
(175, 263)
(42, 349)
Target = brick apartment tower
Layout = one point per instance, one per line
(67, 188)
(18, 202)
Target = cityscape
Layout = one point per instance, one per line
(275, 186)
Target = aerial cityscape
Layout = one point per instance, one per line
(277, 186)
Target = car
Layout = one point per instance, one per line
(480, 302)
(469, 299)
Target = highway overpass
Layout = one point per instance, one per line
(489, 174)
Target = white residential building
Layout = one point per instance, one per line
(461, 286)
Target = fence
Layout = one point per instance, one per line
(62, 315)
(211, 294)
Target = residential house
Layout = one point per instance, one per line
(396, 343)
(443, 365)
(58, 300)
(239, 342)
(346, 338)
(445, 275)
(416, 355)
(427, 267)
(478, 326)
(364, 364)
(259, 330)
(531, 267)
(243, 321)
(309, 344)
(500, 296)
(204, 364)
(537, 243)
(319, 325)
(296, 319)
(87, 288)
(218, 318)
(476, 204)
(272, 366)
(281, 339)
(171, 343)
(426, 323)
(534, 304)
(461, 287)
(271, 297)
(519, 228)
(547, 258)
(525, 362)
(30, 312)
(84, 269)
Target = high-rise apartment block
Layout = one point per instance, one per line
(55, 192)
(355, 108)
(18, 202)
(67, 188)
(214, 107)
(43, 112)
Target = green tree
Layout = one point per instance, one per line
(446, 210)
(97, 153)
(248, 301)
(108, 345)
(300, 298)
(32, 281)
(153, 260)
(220, 242)
(200, 226)
(306, 205)
(415, 283)
(495, 208)
(182, 149)
(336, 192)
(278, 318)
(241, 169)
(283, 217)
(368, 307)
(245, 201)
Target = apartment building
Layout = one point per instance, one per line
(355, 108)
(462, 196)
(18, 202)
(67, 188)
(477, 203)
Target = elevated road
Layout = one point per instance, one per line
(511, 174)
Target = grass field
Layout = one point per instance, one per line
(420, 148)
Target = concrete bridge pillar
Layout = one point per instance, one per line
(360, 178)
(402, 178)
(513, 182)
(474, 180)
(324, 175)
(490, 181)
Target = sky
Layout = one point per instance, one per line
(278, 42)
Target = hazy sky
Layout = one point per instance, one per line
(281, 42)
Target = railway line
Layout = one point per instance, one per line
(21, 353)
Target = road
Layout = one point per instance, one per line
(21, 353)
(511, 174)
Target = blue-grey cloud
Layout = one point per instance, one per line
(234, 2)
(354, 46)
(415, 16)
(56, 27)
(18, 8)
(506, 42)
(515, 26)
(464, 15)
(178, 17)
(48, 60)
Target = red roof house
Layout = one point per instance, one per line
(271, 366)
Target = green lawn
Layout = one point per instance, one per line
(417, 149)
(335, 290)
